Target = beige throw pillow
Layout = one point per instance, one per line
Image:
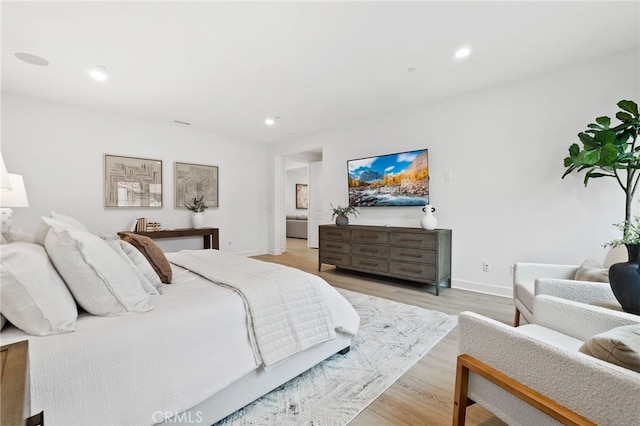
(152, 252)
(591, 270)
(620, 346)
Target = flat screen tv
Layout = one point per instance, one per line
(400, 179)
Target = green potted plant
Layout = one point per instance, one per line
(197, 206)
(341, 214)
(611, 152)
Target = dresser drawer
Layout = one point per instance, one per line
(331, 245)
(337, 259)
(361, 236)
(369, 263)
(334, 234)
(370, 250)
(413, 270)
(422, 240)
(413, 255)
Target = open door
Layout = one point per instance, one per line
(316, 209)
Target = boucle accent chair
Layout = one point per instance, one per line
(545, 357)
(573, 282)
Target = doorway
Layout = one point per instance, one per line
(301, 196)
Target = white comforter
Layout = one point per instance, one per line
(285, 311)
(142, 368)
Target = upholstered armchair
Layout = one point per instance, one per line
(531, 279)
(501, 367)
(584, 283)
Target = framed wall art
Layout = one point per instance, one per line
(132, 182)
(195, 181)
(302, 196)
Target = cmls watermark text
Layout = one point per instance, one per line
(181, 418)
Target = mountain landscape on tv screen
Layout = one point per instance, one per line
(390, 180)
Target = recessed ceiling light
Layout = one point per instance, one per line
(271, 121)
(99, 73)
(463, 52)
(411, 69)
(31, 59)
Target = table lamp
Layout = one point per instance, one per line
(5, 182)
(16, 197)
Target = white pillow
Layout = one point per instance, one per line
(142, 264)
(73, 223)
(100, 280)
(61, 220)
(144, 282)
(33, 296)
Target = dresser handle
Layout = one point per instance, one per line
(332, 246)
(415, 256)
(367, 237)
(413, 271)
(333, 258)
(368, 264)
(409, 240)
(368, 250)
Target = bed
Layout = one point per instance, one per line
(190, 359)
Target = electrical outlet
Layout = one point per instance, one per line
(486, 267)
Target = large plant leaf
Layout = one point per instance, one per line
(609, 154)
(574, 149)
(591, 156)
(624, 116)
(604, 121)
(605, 137)
(587, 141)
(629, 106)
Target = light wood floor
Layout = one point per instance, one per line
(424, 394)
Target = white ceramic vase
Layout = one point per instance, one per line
(428, 221)
(197, 220)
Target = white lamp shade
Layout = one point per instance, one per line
(5, 182)
(17, 196)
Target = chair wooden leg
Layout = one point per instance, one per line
(516, 321)
(467, 363)
(460, 400)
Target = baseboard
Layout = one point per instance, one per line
(485, 288)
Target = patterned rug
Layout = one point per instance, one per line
(392, 338)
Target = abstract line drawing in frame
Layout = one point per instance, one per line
(195, 181)
(302, 196)
(132, 182)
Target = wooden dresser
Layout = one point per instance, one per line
(412, 254)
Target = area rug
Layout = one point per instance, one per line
(392, 338)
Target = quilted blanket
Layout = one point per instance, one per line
(285, 312)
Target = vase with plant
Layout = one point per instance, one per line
(197, 206)
(341, 214)
(610, 152)
(624, 276)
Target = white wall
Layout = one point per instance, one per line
(59, 150)
(503, 147)
(292, 177)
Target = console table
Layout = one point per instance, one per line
(210, 236)
(412, 254)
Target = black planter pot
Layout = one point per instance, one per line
(625, 281)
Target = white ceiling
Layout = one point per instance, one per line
(226, 66)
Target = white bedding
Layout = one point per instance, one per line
(285, 311)
(142, 368)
